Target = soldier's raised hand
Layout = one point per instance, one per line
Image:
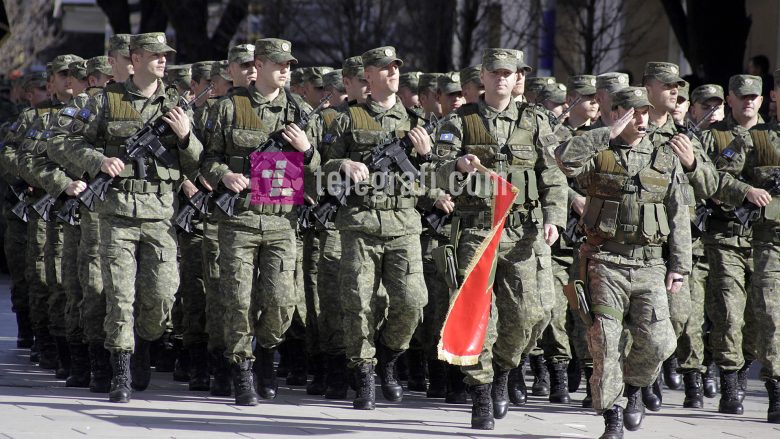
(179, 122)
(421, 140)
(683, 147)
(617, 128)
(296, 137)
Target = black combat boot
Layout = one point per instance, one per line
(518, 392)
(100, 365)
(482, 408)
(265, 370)
(318, 369)
(499, 392)
(587, 402)
(220, 386)
(35, 351)
(710, 381)
(337, 377)
(694, 393)
(140, 364)
(63, 355)
(635, 408)
(672, 378)
(416, 361)
(613, 423)
(24, 333)
(773, 412)
(243, 383)
(541, 385)
(365, 393)
(729, 393)
(559, 385)
(283, 369)
(199, 375)
(297, 375)
(386, 369)
(574, 375)
(79, 366)
(120, 383)
(742, 378)
(47, 348)
(437, 379)
(652, 396)
(456, 388)
(182, 366)
(167, 351)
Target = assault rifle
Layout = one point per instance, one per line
(748, 212)
(198, 203)
(20, 209)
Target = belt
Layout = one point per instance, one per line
(645, 252)
(144, 186)
(266, 209)
(383, 203)
(484, 220)
(764, 234)
(728, 228)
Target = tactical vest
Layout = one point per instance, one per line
(366, 134)
(328, 116)
(123, 121)
(629, 209)
(767, 163)
(722, 138)
(516, 157)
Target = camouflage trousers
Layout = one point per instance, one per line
(639, 294)
(35, 273)
(191, 287)
(330, 319)
(257, 287)
(555, 338)
(728, 305)
(93, 308)
(310, 256)
(52, 254)
(71, 236)
(690, 339)
(215, 303)
(14, 245)
(435, 311)
(575, 327)
(521, 309)
(298, 329)
(139, 274)
(766, 298)
(366, 262)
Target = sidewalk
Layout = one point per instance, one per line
(33, 404)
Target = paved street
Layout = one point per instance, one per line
(33, 404)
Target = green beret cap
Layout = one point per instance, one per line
(555, 93)
(241, 53)
(314, 75)
(705, 92)
(428, 81)
(585, 85)
(35, 79)
(119, 43)
(275, 49)
(449, 82)
(333, 79)
(154, 42)
(745, 85)
(471, 74)
(296, 77)
(521, 65)
(220, 68)
(180, 75)
(352, 67)
(611, 81)
(78, 69)
(666, 72)
(631, 97)
(380, 57)
(62, 62)
(410, 80)
(99, 64)
(537, 83)
(684, 91)
(495, 59)
(201, 69)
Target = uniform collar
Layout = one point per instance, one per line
(510, 112)
(396, 110)
(133, 90)
(279, 101)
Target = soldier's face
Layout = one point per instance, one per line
(700, 109)
(121, 67)
(221, 86)
(272, 74)
(77, 86)
(744, 107)
(605, 103)
(498, 83)
(382, 80)
(637, 127)
(680, 110)
(314, 94)
(148, 64)
(198, 87)
(519, 87)
(586, 108)
(556, 109)
(663, 96)
(61, 85)
(429, 102)
(471, 92)
(37, 95)
(356, 88)
(98, 79)
(242, 74)
(408, 97)
(450, 101)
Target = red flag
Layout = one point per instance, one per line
(464, 329)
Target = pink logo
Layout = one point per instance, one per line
(277, 177)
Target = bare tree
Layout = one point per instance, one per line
(32, 30)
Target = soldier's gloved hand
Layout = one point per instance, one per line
(578, 205)
(355, 170)
(75, 187)
(179, 122)
(445, 203)
(420, 140)
(550, 234)
(296, 137)
(617, 128)
(235, 182)
(189, 188)
(466, 163)
(112, 166)
(758, 196)
(674, 281)
(205, 183)
(683, 147)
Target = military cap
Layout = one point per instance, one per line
(745, 85)
(296, 77)
(180, 75)
(585, 85)
(333, 79)
(78, 69)
(220, 68)
(35, 79)
(684, 91)
(201, 69)
(495, 59)
(611, 81)
(705, 92)
(119, 43)
(555, 93)
(62, 62)
(154, 42)
(380, 57)
(631, 97)
(471, 74)
(666, 72)
(352, 67)
(521, 65)
(777, 77)
(410, 80)
(428, 81)
(242, 53)
(449, 82)
(99, 64)
(314, 75)
(537, 83)
(275, 49)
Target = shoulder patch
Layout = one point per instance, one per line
(328, 138)
(14, 126)
(548, 140)
(210, 124)
(46, 134)
(69, 111)
(728, 153)
(31, 133)
(446, 137)
(84, 114)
